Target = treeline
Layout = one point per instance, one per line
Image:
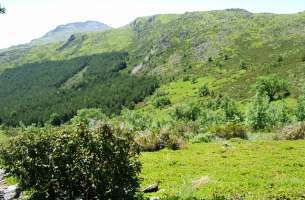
(34, 92)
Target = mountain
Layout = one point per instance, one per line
(227, 49)
(63, 32)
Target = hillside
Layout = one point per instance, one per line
(227, 49)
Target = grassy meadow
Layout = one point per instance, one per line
(253, 170)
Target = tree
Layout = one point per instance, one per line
(2, 10)
(55, 119)
(75, 163)
(273, 86)
(231, 110)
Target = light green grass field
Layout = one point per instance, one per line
(255, 170)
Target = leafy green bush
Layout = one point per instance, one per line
(280, 59)
(279, 114)
(135, 120)
(273, 86)
(230, 131)
(300, 109)
(55, 119)
(204, 91)
(231, 110)
(258, 115)
(88, 115)
(100, 163)
(161, 102)
(203, 138)
(188, 112)
(242, 65)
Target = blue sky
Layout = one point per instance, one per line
(29, 19)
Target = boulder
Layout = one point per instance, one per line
(151, 188)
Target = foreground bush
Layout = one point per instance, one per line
(95, 163)
(292, 132)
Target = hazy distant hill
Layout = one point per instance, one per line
(63, 32)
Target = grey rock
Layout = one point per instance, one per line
(154, 198)
(151, 188)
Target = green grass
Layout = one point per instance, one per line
(258, 170)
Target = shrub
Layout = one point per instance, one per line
(148, 141)
(303, 59)
(300, 109)
(210, 59)
(226, 57)
(229, 131)
(186, 78)
(88, 115)
(161, 102)
(204, 91)
(136, 120)
(293, 132)
(279, 114)
(153, 141)
(55, 119)
(186, 112)
(203, 138)
(171, 140)
(273, 86)
(242, 65)
(257, 115)
(280, 59)
(100, 163)
(230, 109)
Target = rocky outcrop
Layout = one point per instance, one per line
(7, 192)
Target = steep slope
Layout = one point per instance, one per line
(227, 49)
(63, 32)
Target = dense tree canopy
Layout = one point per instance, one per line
(34, 93)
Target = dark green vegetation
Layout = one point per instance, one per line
(229, 78)
(33, 92)
(70, 164)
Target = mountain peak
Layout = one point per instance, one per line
(63, 32)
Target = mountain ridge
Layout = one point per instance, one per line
(63, 32)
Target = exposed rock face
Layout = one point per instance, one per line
(7, 192)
